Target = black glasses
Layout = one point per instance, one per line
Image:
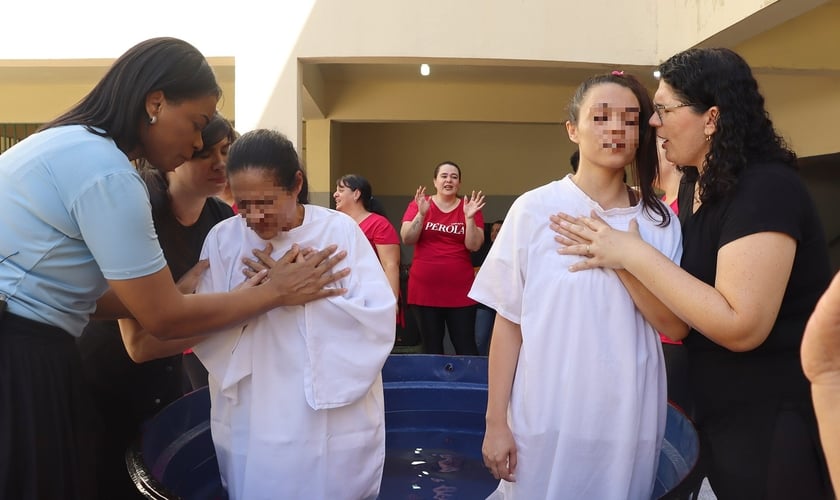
(659, 108)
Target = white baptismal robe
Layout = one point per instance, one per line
(296, 393)
(587, 408)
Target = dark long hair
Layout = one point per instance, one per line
(744, 132)
(357, 182)
(645, 166)
(269, 150)
(117, 104)
(219, 128)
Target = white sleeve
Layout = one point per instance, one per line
(500, 283)
(216, 351)
(349, 337)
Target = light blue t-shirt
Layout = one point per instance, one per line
(74, 213)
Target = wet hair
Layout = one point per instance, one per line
(218, 129)
(452, 163)
(116, 107)
(271, 151)
(359, 183)
(645, 166)
(744, 132)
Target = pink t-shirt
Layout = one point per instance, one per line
(441, 273)
(379, 231)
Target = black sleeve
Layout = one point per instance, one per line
(768, 198)
(158, 186)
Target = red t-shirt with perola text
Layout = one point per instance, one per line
(441, 273)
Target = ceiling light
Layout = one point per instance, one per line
(425, 70)
(657, 74)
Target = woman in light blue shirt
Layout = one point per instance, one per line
(77, 240)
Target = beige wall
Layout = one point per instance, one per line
(268, 48)
(28, 100)
(497, 158)
(805, 111)
(423, 101)
(33, 103)
(682, 24)
(799, 75)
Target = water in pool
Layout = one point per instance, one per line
(434, 465)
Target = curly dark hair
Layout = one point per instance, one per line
(645, 167)
(744, 132)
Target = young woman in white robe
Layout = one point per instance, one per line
(576, 405)
(296, 394)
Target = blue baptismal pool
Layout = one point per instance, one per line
(434, 420)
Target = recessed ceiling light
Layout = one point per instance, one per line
(425, 69)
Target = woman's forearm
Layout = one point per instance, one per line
(474, 236)
(110, 307)
(654, 311)
(143, 347)
(164, 312)
(410, 230)
(504, 355)
(739, 311)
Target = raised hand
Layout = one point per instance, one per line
(472, 204)
(422, 200)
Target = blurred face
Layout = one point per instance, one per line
(267, 208)
(607, 132)
(682, 130)
(176, 133)
(447, 180)
(205, 174)
(344, 197)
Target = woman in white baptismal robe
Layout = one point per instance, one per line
(296, 393)
(576, 394)
(588, 398)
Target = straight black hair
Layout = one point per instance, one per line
(271, 151)
(357, 182)
(116, 107)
